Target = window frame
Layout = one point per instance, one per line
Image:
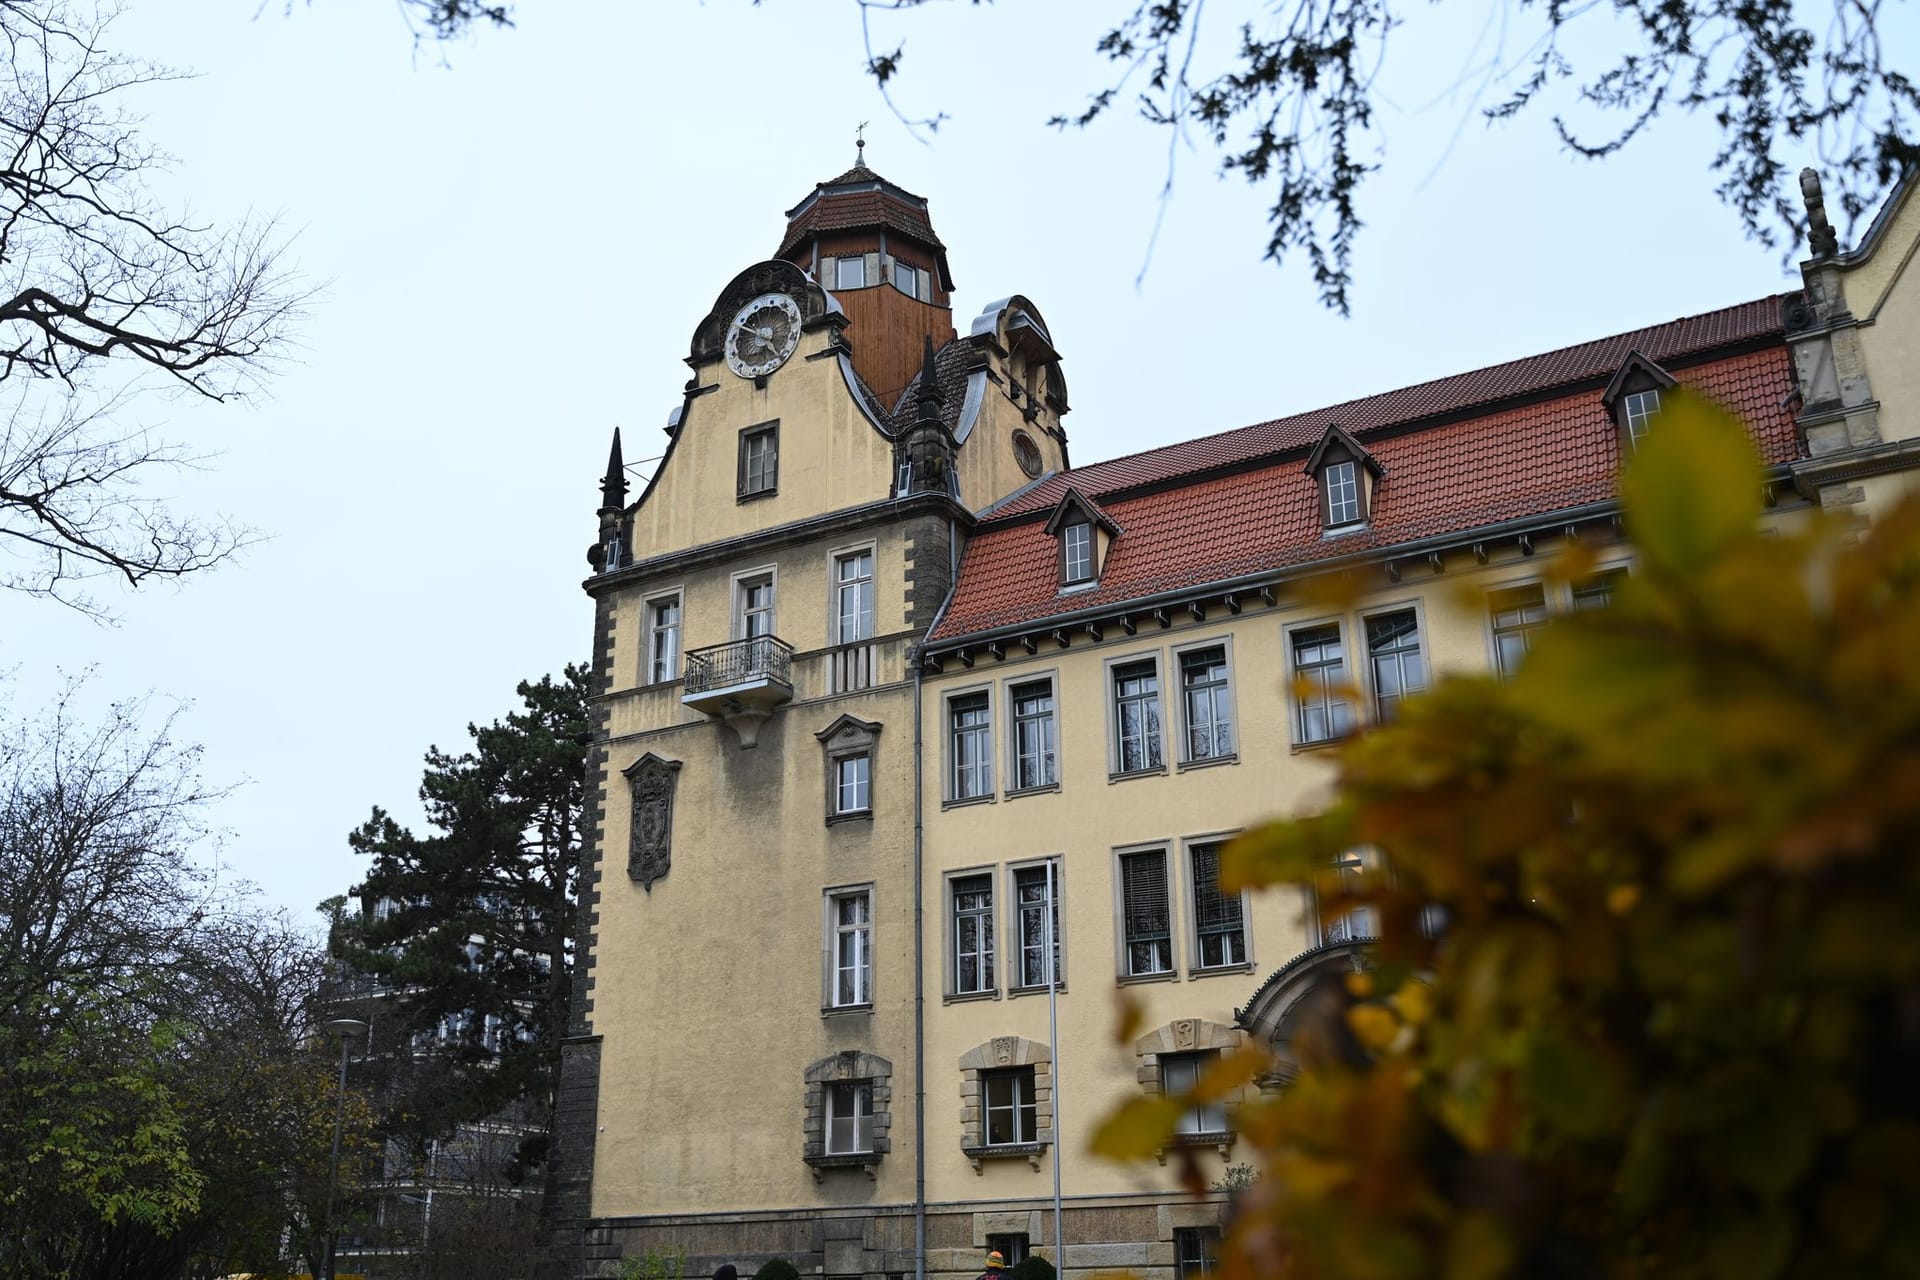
(770, 431)
(649, 630)
(1111, 694)
(1090, 570)
(990, 989)
(1361, 923)
(832, 929)
(1633, 426)
(1196, 956)
(1612, 574)
(1194, 1061)
(1296, 709)
(1016, 920)
(1123, 939)
(1186, 759)
(1202, 1266)
(829, 1092)
(840, 262)
(1349, 470)
(837, 784)
(1416, 606)
(950, 755)
(835, 616)
(1494, 631)
(738, 584)
(1010, 699)
(1020, 1106)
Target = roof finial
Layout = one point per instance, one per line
(613, 488)
(930, 396)
(1821, 237)
(859, 145)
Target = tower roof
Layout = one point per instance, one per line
(857, 200)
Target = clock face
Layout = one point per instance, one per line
(763, 334)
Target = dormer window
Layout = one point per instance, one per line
(1085, 533)
(1077, 550)
(1633, 398)
(1344, 473)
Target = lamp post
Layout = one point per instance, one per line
(346, 1031)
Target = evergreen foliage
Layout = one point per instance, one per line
(777, 1269)
(1031, 1267)
(470, 929)
(1668, 1028)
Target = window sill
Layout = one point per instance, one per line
(1221, 1141)
(1158, 771)
(964, 801)
(1231, 758)
(861, 1160)
(1029, 1151)
(1135, 979)
(845, 1010)
(1077, 588)
(967, 997)
(1322, 745)
(862, 815)
(1051, 788)
(1216, 970)
(756, 495)
(1344, 530)
(1014, 993)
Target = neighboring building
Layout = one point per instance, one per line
(840, 781)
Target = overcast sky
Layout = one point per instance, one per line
(513, 248)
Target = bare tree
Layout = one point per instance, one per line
(105, 292)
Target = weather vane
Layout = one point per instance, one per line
(860, 143)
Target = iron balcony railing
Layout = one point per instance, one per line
(721, 666)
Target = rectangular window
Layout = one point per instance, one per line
(754, 606)
(913, 282)
(1343, 494)
(1319, 672)
(759, 460)
(1597, 592)
(1035, 735)
(1196, 1251)
(1136, 716)
(849, 1117)
(1350, 875)
(1010, 1118)
(1517, 613)
(1031, 894)
(972, 934)
(853, 784)
(1076, 550)
(663, 639)
(1393, 648)
(1219, 919)
(852, 945)
(1012, 1246)
(1179, 1073)
(1209, 709)
(849, 273)
(1637, 411)
(853, 597)
(970, 736)
(1146, 913)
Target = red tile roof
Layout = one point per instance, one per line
(1552, 453)
(856, 199)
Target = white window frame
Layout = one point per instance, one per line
(1076, 568)
(1360, 923)
(836, 617)
(1341, 483)
(861, 934)
(859, 262)
(863, 786)
(950, 770)
(1194, 1121)
(1177, 665)
(1025, 1082)
(1637, 411)
(990, 949)
(1296, 719)
(1613, 572)
(1417, 608)
(1123, 946)
(1009, 699)
(738, 584)
(1109, 691)
(650, 631)
(1016, 923)
(862, 1134)
(769, 431)
(1196, 955)
(1494, 631)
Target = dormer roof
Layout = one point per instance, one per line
(1635, 363)
(1337, 437)
(1074, 503)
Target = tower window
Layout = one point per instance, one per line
(850, 273)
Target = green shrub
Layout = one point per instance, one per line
(777, 1269)
(1032, 1267)
(655, 1264)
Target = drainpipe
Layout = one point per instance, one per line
(919, 999)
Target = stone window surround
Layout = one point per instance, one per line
(1189, 1035)
(847, 1065)
(999, 1054)
(849, 735)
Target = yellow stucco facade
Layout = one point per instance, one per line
(820, 802)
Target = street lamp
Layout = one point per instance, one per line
(346, 1031)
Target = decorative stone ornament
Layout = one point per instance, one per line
(650, 837)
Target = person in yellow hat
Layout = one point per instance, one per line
(994, 1264)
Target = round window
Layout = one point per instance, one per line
(1026, 453)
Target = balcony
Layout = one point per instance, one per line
(742, 682)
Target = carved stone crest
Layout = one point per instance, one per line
(1003, 1051)
(650, 836)
(1185, 1033)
